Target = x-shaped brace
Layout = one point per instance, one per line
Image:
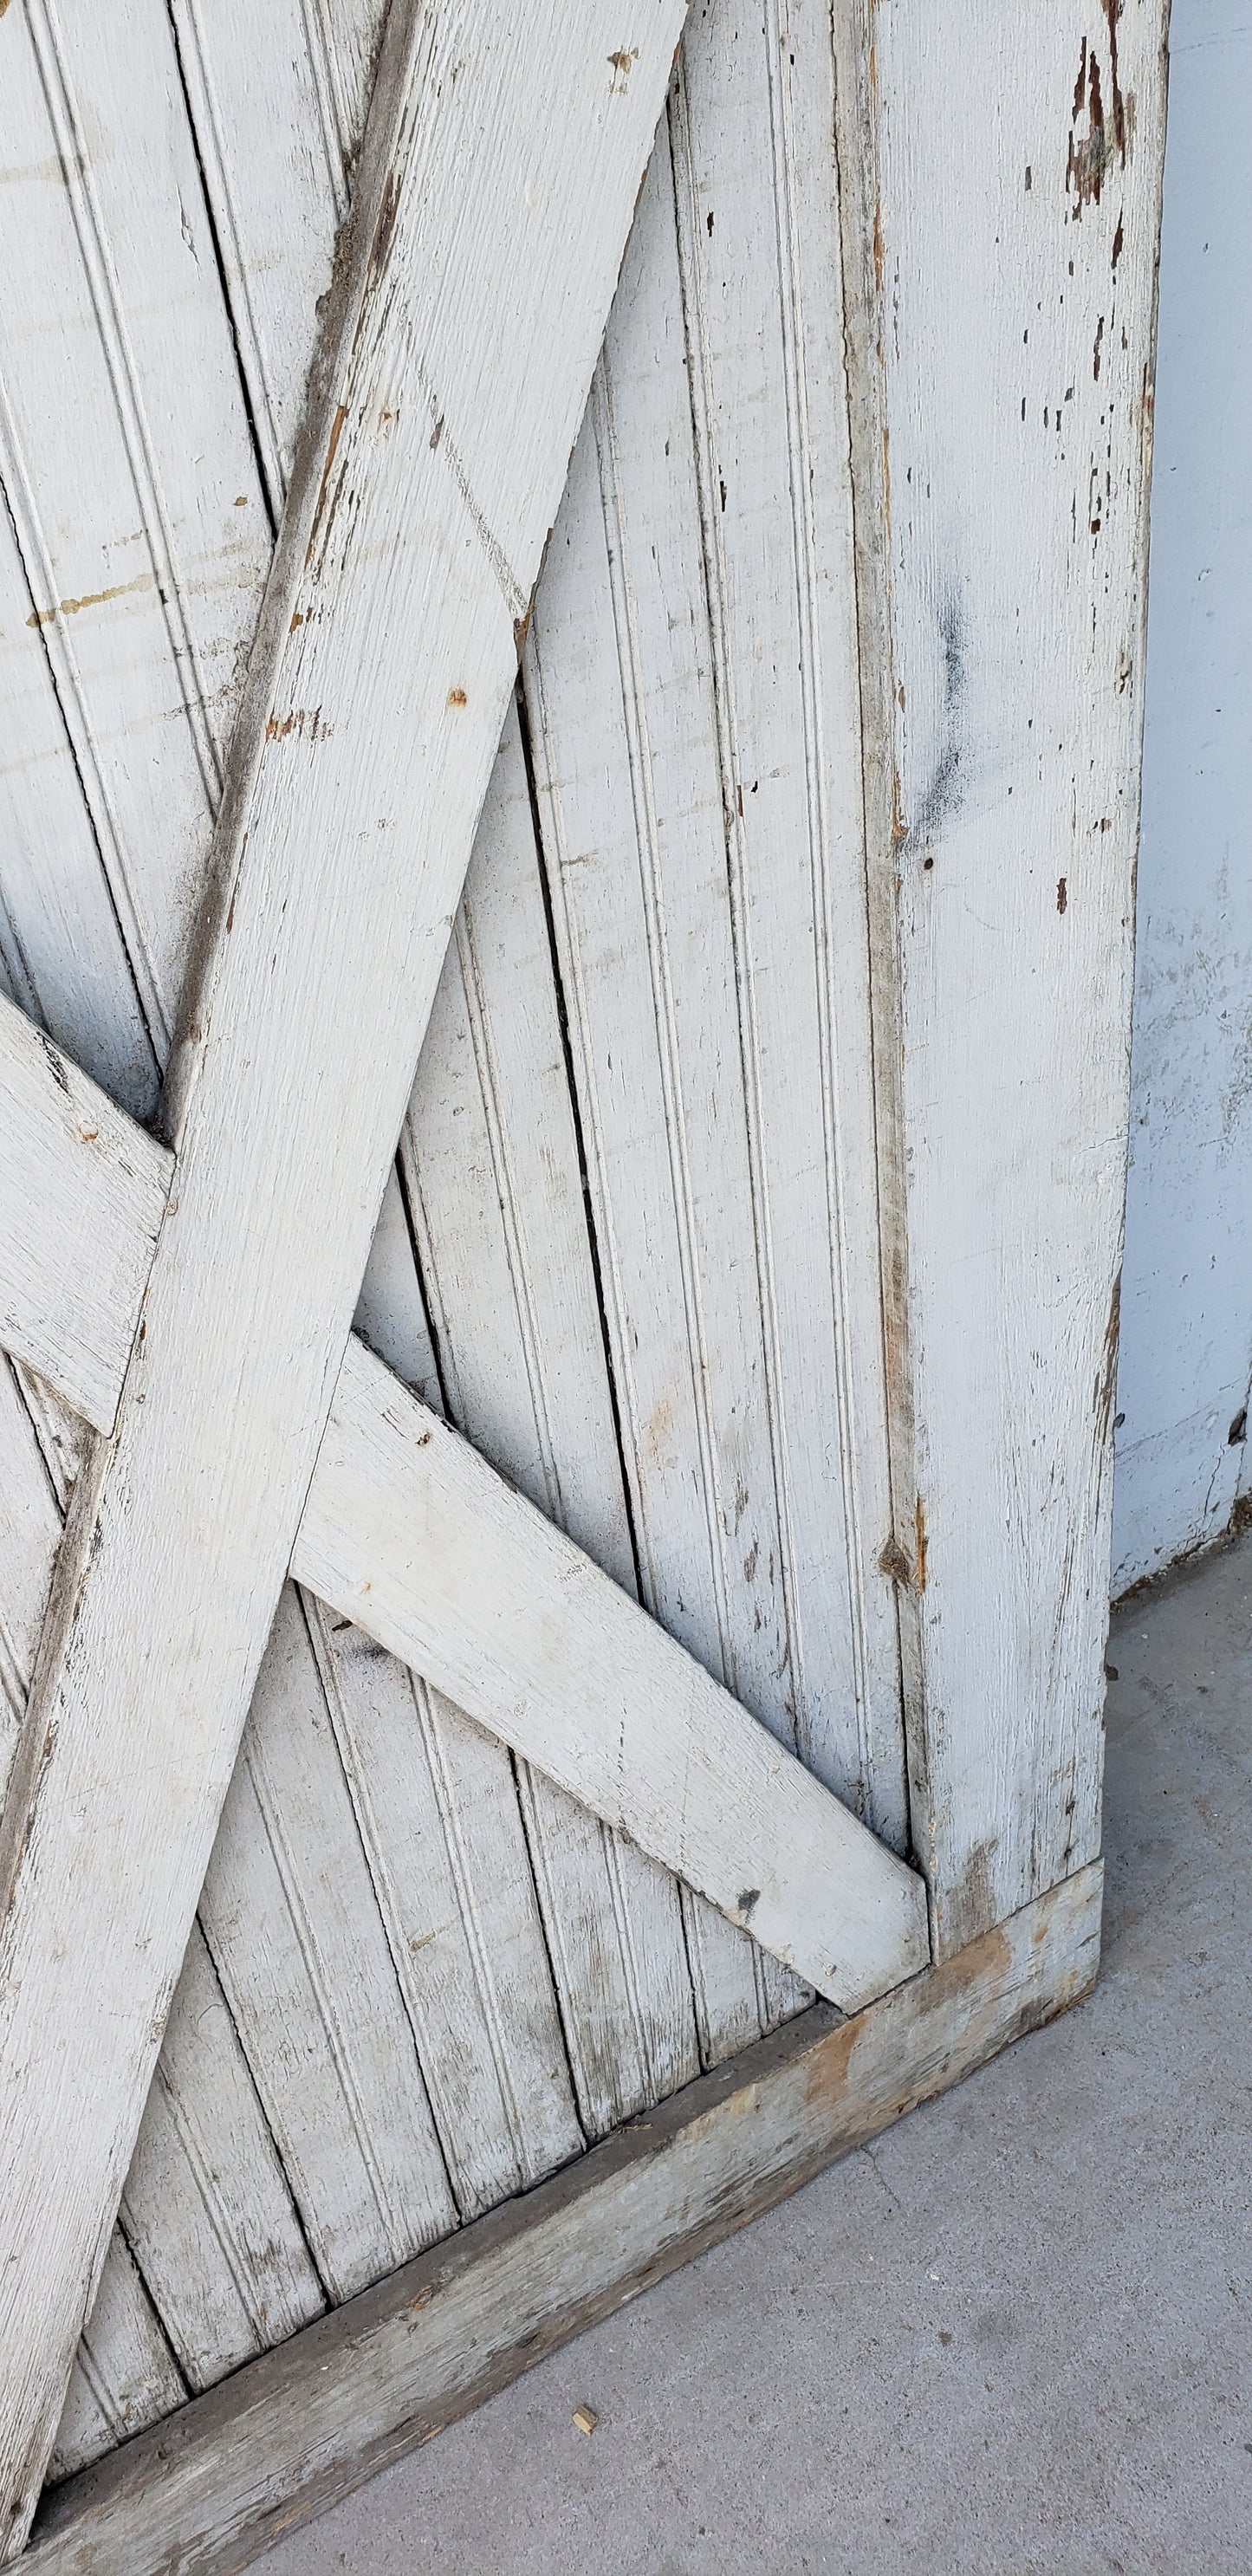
(242, 1432)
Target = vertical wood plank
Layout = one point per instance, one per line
(62, 956)
(277, 123)
(141, 599)
(290, 1919)
(436, 1802)
(622, 942)
(694, 699)
(762, 288)
(491, 1172)
(125, 2377)
(206, 2211)
(1007, 347)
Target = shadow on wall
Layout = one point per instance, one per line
(1186, 1350)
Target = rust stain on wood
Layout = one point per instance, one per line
(90, 599)
(828, 2067)
(920, 1546)
(301, 720)
(981, 1971)
(984, 1962)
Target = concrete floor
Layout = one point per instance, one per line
(1015, 2337)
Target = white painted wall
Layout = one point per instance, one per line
(1186, 1353)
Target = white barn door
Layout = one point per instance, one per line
(703, 1534)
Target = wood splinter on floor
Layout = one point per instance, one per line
(586, 2419)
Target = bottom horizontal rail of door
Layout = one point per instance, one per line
(210, 2488)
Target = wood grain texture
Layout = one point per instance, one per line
(1007, 342)
(627, 2048)
(407, 1528)
(206, 2210)
(274, 215)
(408, 666)
(302, 2427)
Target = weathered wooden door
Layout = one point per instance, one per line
(539, 1605)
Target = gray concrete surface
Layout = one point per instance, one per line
(1015, 2339)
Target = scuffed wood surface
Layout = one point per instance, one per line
(302, 2427)
(411, 543)
(1006, 387)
